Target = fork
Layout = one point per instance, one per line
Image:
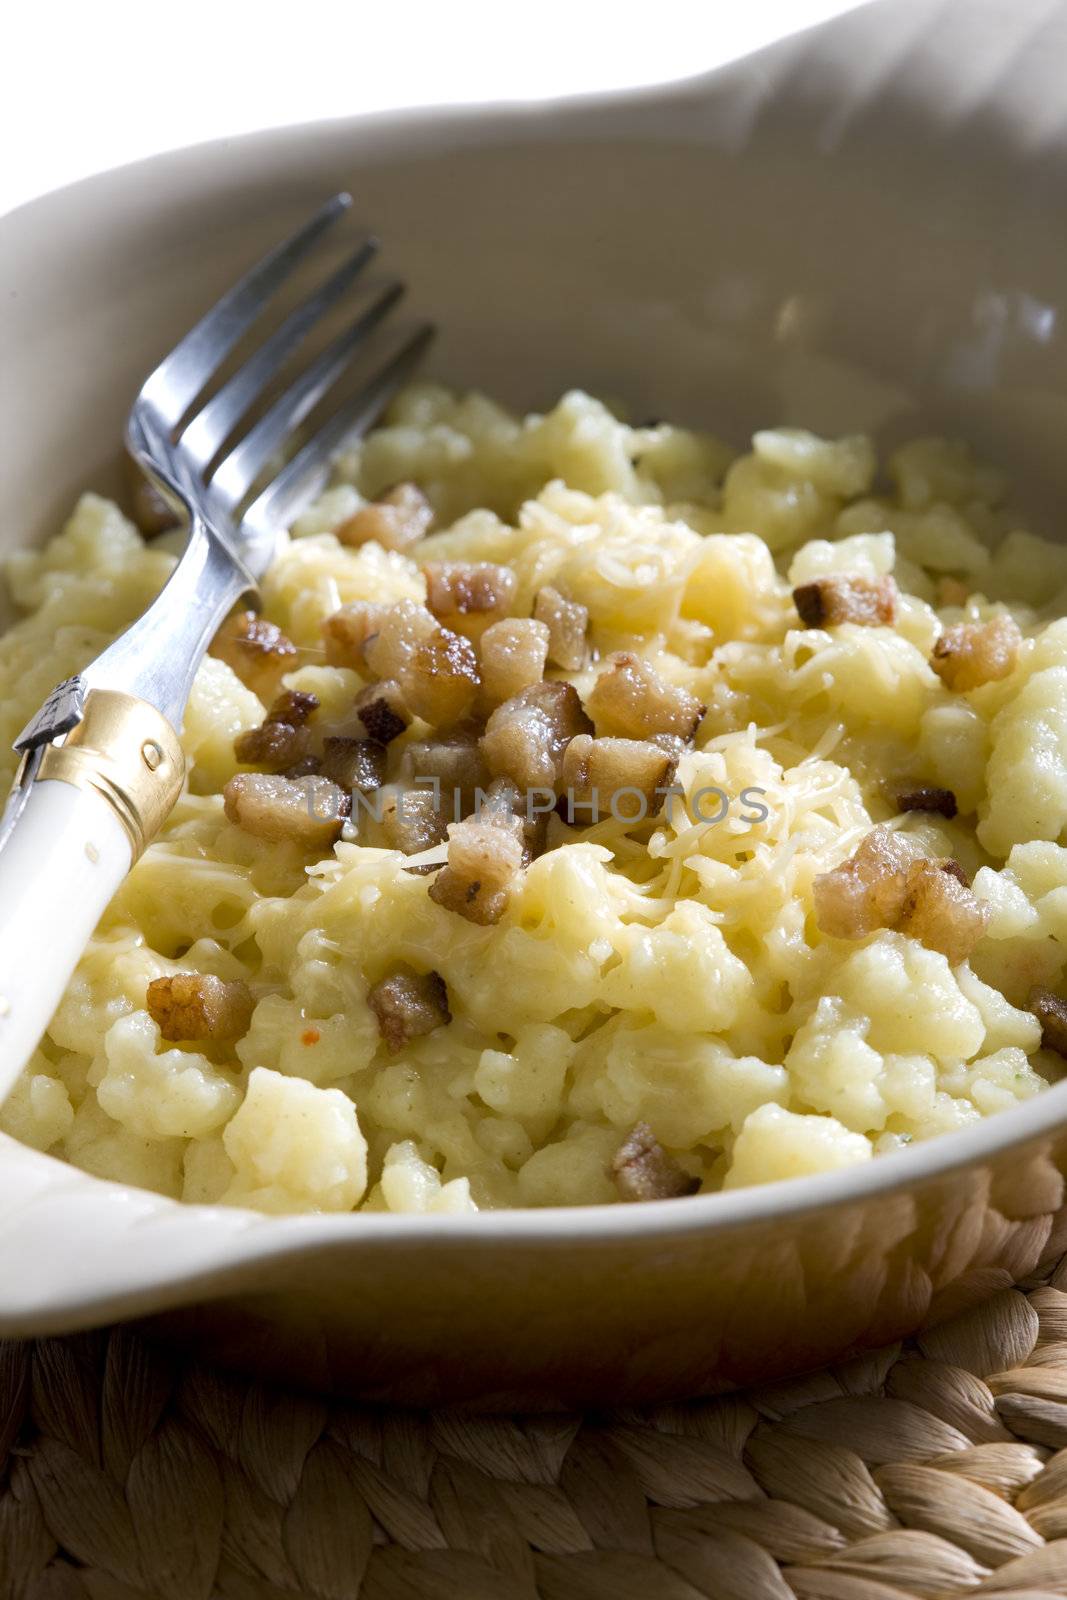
(102, 765)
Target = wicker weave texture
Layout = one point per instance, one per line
(935, 1469)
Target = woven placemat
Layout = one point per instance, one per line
(936, 1468)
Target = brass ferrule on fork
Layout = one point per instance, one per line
(126, 751)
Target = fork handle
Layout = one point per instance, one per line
(80, 816)
(64, 859)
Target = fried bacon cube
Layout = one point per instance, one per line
(412, 821)
(826, 602)
(972, 653)
(394, 638)
(866, 891)
(925, 797)
(275, 745)
(309, 812)
(631, 701)
(1051, 1012)
(283, 740)
(525, 738)
(512, 656)
(424, 670)
(195, 1005)
(884, 885)
(940, 911)
(381, 709)
(397, 520)
(468, 596)
(454, 764)
(643, 1170)
(624, 774)
(257, 650)
(442, 683)
(294, 706)
(567, 623)
(345, 633)
(485, 857)
(503, 795)
(354, 763)
(408, 1005)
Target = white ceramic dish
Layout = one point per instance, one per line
(859, 229)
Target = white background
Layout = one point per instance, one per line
(91, 85)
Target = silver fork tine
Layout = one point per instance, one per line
(239, 470)
(302, 477)
(212, 426)
(179, 378)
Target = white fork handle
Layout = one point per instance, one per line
(59, 869)
(80, 813)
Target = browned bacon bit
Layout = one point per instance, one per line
(927, 798)
(442, 683)
(412, 821)
(393, 640)
(430, 670)
(485, 857)
(345, 633)
(525, 738)
(408, 1005)
(381, 709)
(940, 911)
(469, 595)
(398, 519)
(454, 764)
(294, 706)
(632, 701)
(151, 512)
(623, 774)
(257, 650)
(503, 795)
(195, 1005)
(567, 622)
(883, 885)
(512, 656)
(354, 763)
(283, 740)
(278, 746)
(866, 891)
(309, 812)
(1051, 1012)
(972, 653)
(643, 1170)
(825, 602)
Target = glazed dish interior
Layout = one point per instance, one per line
(593, 813)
